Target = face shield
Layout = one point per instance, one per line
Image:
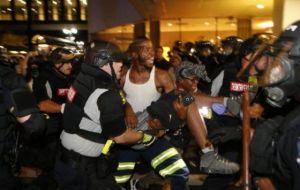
(275, 69)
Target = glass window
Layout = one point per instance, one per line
(21, 10)
(83, 9)
(5, 10)
(37, 10)
(197, 29)
(71, 10)
(54, 9)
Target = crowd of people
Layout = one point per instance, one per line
(89, 122)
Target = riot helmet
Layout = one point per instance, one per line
(231, 45)
(61, 56)
(251, 44)
(61, 60)
(281, 60)
(178, 46)
(99, 53)
(190, 48)
(205, 48)
(248, 47)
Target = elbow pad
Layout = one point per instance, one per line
(35, 125)
(23, 102)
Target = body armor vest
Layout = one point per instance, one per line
(83, 87)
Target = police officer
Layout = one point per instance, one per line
(228, 60)
(13, 92)
(281, 79)
(50, 88)
(93, 120)
(206, 52)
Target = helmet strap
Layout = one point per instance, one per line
(57, 69)
(113, 74)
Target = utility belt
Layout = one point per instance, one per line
(74, 159)
(100, 165)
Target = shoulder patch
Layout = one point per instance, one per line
(62, 92)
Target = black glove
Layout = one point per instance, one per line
(234, 106)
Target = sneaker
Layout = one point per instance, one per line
(212, 163)
(134, 184)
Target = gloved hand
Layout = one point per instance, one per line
(145, 142)
(233, 106)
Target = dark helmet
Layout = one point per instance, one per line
(178, 46)
(60, 56)
(205, 44)
(251, 44)
(281, 75)
(3, 55)
(190, 48)
(99, 53)
(232, 41)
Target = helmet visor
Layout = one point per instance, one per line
(270, 63)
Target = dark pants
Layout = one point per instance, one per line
(7, 180)
(77, 172)
(287, 173)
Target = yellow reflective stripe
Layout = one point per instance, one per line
(122, 179)
(126, 166)
(163, 156)
(107, 146)
(179, 164)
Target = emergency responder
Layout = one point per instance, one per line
(281, 78)
(13, 92)
(93, 120)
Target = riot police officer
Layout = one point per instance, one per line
(50, 88)
(13, 92)
(228, 59)
(281, 81)
(93, 120)
(206, 52)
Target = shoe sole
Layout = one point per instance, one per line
(210, 171)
